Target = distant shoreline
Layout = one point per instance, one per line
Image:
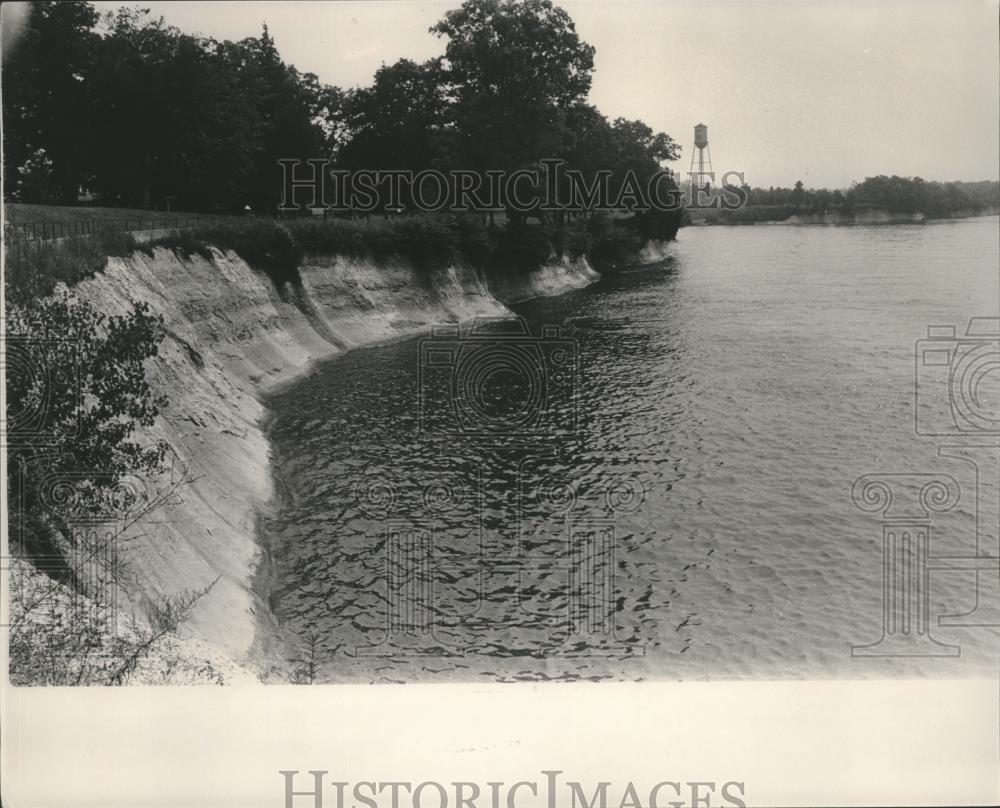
(865, 218)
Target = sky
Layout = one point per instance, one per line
(823, 92)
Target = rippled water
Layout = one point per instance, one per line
(680, 507)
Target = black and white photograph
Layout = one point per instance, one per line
(501, 347)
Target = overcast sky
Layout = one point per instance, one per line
(819, 91)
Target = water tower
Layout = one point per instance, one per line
(702, 156)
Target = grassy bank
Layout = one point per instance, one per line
(22, 213)
(34, 268)
(426, 241)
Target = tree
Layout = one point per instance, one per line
(527, 50)
(89, 390)
(146, 115)
(511, 71)
(47, 94)
(287, 109)
(590, 141)
(640, 148)
(396, 123)
(171, 121)
(35, 180)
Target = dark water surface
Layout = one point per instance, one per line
(468, 509)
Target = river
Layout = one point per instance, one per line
(655, 481)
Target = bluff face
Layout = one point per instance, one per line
(231, 336)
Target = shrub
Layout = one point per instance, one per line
(265, 245)
(574, 239)
(306, 666)
(614, 242)
(759, 213)
(57, 637)
(522, 247)
(76, 392)
(276, 248)
(661, 225)
(35, 179)
(425, 240)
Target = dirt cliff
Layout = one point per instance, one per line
(231, 337)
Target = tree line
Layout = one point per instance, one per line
(894, 194)
(143, 115)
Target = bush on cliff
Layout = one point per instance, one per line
(426, 241)
(615, 242)
(265, 245)
(277, 247)
(76, 393)
(521, 247)
(660, 225)
(57, 637)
